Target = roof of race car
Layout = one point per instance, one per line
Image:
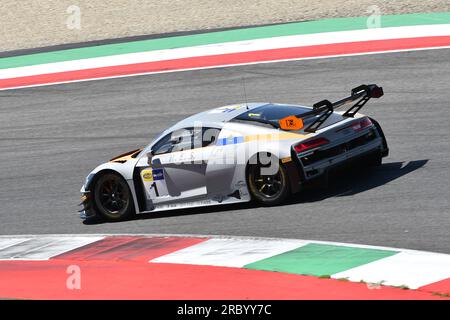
(221, 114)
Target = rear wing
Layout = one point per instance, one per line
(361, 94)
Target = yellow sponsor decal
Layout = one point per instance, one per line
(147, 175)
(285, 160)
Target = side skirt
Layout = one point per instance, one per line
(194, 204)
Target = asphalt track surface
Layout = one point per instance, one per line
(51, 137)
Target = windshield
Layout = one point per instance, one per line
(147, 149)
(272, 112)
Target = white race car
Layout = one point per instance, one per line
(238, 153)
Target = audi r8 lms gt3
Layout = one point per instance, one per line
(252, 151)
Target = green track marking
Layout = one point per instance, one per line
(320, 259)
(297, 28)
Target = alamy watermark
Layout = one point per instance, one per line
(190, 146)
(374, 19)
(73, 21)
(73, 281)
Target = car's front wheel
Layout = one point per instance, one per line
(268, 183)
(113, 198)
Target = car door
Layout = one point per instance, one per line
(176, 167)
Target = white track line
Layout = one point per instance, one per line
(43, 248)
(9, 242)
(413, 269)
(229, 252)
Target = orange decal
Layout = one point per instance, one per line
(291, 123)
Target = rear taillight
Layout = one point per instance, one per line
(364, 123)
(311, 144)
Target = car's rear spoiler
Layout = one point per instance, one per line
(325, 108)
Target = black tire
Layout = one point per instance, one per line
(268, 190)
(375, 160)
(385, 150)
(112, 197)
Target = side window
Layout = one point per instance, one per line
(182, 139)
(186, 139)
(210, 136)
(175, 141)
(205, 136)
(163, 146)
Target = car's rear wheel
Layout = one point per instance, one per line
(375, 159)
(113, 198)
(267, 189)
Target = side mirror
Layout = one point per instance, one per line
(149, 157)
